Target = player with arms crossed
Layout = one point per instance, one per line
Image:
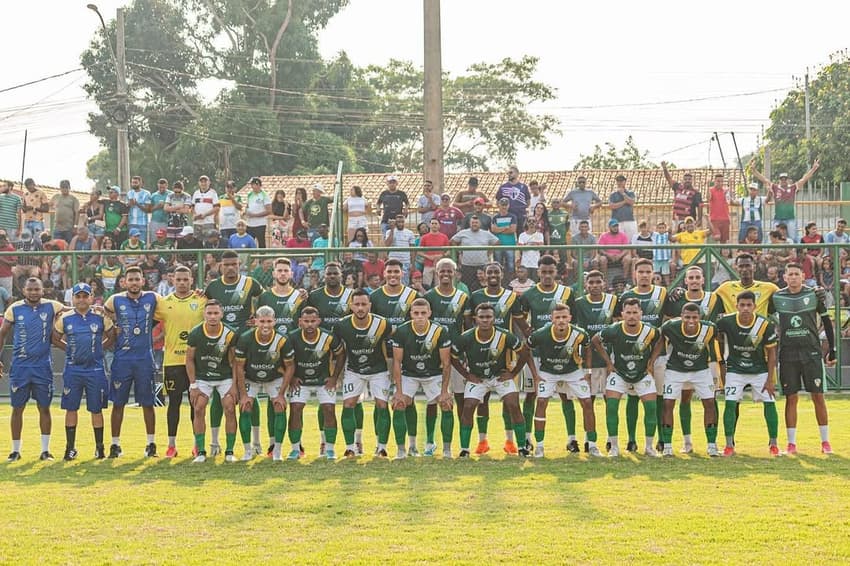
(750, 360)
(630, 343)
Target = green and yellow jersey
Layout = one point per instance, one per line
(331, 307)
(748, 345)
(421, 351)
(393, 307)
(212, 361)
(559, 357)
(539, 303)
(366, 347)
(287, 308)
(710, 306)
(237, 299)
(506, 306)
(690, 353)
(449, 310)
(487, 358)
(313, 358)
(264, 361)
(629, 352)
(593, 316)
(651, 304)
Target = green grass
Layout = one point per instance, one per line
(687, 510)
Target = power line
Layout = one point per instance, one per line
(41, 80)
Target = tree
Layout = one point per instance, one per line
(629, 157)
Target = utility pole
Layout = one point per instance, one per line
(121, 115)
(808, 130)
(433, 94)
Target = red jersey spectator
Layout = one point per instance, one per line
(687, 201)
(373, 266)
(448, 216)
(718, 209)
(300, 240)
(432, 239)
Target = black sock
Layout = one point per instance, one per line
(70, 437)
(98, 436)
(175, 399)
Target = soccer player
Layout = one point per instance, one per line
(263, 364)
(593, 312)
(209, 365)
(132, 312)
(801, 364)
(421, 360)
(763, 290)
(538, 302)
(365, 336)
(562, 349)
(180, 312)
(236, 294)
(750, 360)
(81, 334)
(692, 344)
(508, 312)
(450, 307)
(630, 343)
(489, 358)
(31, 322)
(319, 361)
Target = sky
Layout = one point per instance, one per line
(619, 68)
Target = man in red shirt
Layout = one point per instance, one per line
(718, 209)
(300, 240)
(373, 266)
(448, 216)
(687, 201)
(432, 239)
(615, 256)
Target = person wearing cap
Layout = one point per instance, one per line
(83, 335)
(752, 212)
(65, 209)
(448, 216)
(214, 241)
(10, 210)
(581, 201)
(115, 216)
(621, 203)
(34, 207)
(163, 246)
(503, 226)
(785, 194)
(614, 256)
(392, 202)
(205, 206)
(692, 238)
(139, 205)
(133, 244)
(230, 210)
(719, 220)
(257, 211)
(187, 240)
(687, 200)
(301, 240)
(178, 206)
(316, 211)
(159, 198)
(241, 239)
(433, 239)
(465, 200)
(517, 194)
(484, 219)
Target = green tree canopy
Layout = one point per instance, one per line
(629, 157)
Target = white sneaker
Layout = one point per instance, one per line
(401, 455)
(229, 458)
(538, 451)
(258, 448)
(215, 449)
(200, 459)
(614, 452)
(668, 451)
(687, 449)
(651, 452)
(277, 458)
(413, 452)
(594, 451)
(713, 452)
(447, 454)
(249, 455)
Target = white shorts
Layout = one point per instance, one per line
(598, 379)
(735, 383)
(207, 387)
(526, 380)
(573, 382)
(458, 383)
(645, 386)
(701, 381)
(431, 386)
(302, 394)
(354, 384)
(493, 385)
(658, 372)
(270, 388)
(358, 222)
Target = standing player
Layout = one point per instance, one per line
(421, 360)
(315, 371)
(263, 364)
(449, 307)
(209, 363)
(81, 334)
(365, 336)
(507, 311)
(693, 345)
(562, 350)
(630, 342)
(132, 312)
(31, 322)
(489, 359)
(762, 290)
(235, 293)
(750, 360)
(800, 359)
(180, 312)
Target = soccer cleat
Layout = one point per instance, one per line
(150, 450)
(712, 450)
(381, 453)
(171, 452)
(14, 457)
(200, 458)
(358, 448)
(524, 452)
(248, 455)
(687, 449)
(608, 446)
(229, 457)
(258, 448)
(572, 446)
(774, 450)
(510, 447)
(447, 454)
(586, 446)
(99, 452)
(659, 446)
(614, 452)
(594, 451)
(650, 452)
(401, 454)
(667, 452)
(277, 458)
(46, 456)
(483, 447)
(464, 454)
(294, 454)
(413, 452)
(70, 455)
(538, 451)
(632, 446)
(215, 450)
(301, 451)
(349, 454)
(330, 454)
(115, 451)
(729, 451)
(791, 449)
(826, 447)
(269, 452)
(430, 449)
(322, 449)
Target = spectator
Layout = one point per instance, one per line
(485, 219)
(93, 213)
(373, 267)
(153, 270)
(360, 240)
(138, 206)
(464, 200)
(587, 240)
(621, 202)
(258, 209)
(537, 194)
(813, 237)
(188, 241)
(65, 211)
(55, 243)
(428, 203)
(615, 256)
(159, 217)
(559, 229)
(84, 241)
(373, 283)
(166, 285)
(107, 244)
(10, 211)
(300, 241)
(433, 239)
(826, 275)
(416, 282)
(776, 257)
(357, 208)
(522, 283)
(115, 215)
(504, 228)
(349, 281)
(785, 194)
(352, 267)
(6, 262)
(837, 236)
(581, 201)
(471, 260)
(299, 219)
(392, 202)
(687, 201)
(419, 260)
(314, 281)
(230, 210)
(108, 273)
(517, 194)
(662, 258)
(640, 240)
(162, 245)
(692, 238)
(264, 272)
(541, 217)
(26, 265)
(214, 241)
(751, 238)
(530, 237)
(133, 244)
(281, 218)
(719, 219)
(320, 242)
(772, 276)
(316, 211)
(448, 216)
(178, 206)
(205, 206)
(241, 239)
(34, 207)
(397, 236)
(752, 212)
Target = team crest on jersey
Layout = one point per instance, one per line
(66, 391)
(806, 301)
(43, 316)
(147, 307)
(93, 327)
(70, 328)
(192, 306)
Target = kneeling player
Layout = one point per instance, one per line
(751, 360)
(263, 365)
(209, 359)
(489, 353)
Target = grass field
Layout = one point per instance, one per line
(686, 510)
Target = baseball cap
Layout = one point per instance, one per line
(504, 200)
(319, 187)
(689, 219)
(391, 178)
(135, 232)
(613, 222)
(783, 175)
(753, 185)
(161, 232)
(416, 274)
(115, 188)
(479, 200)
(187, 230)
(212, 233)
(445, 196)
(81, 288)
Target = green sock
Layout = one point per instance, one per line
(465, 435)
(519, 431)
(447, 426)
(430, 427)
(294, 435)
(349, 421)
(612, 416)
(529, 405)
(358, 416)
(255, 413)
(711, 433)
(230, 441)
(569, 410)
(650, 418)
(539, 435)
(216, 412)
(330, 436)
(382, 424)
(200, 442)
(375, 420)
(400, 426)
(659, 411)
(270, 416)
(729, 423)
(506, 418)
(772, 420)
(667, 434)
(279, 426)
(685, 417)
(591, 436)
(482, 424)
(245, 427)
(632, 404)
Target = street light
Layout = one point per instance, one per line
(93, 8)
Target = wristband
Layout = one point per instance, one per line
(194, 385)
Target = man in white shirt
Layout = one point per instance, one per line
(428, 202)
(257, 212)
(400, 237)
(205, 206)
